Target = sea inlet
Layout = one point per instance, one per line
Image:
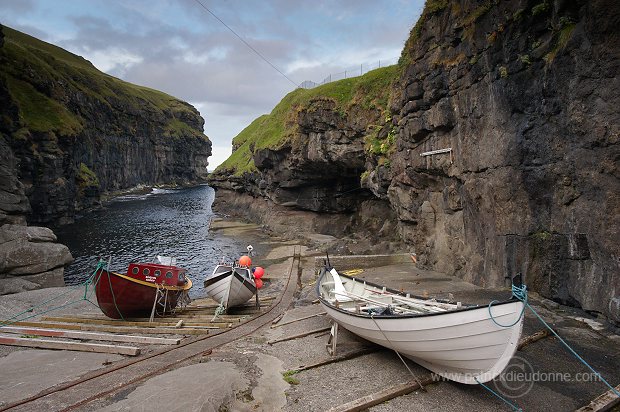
(137, 228)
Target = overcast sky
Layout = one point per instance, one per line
(178, 47)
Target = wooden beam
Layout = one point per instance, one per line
(63, 345)
(114, 329)
(301, 335)
(298, 319)
(142, 323)
(347, 356)
(58, 333)
(604, 402)
(541, 334)
(383, 395)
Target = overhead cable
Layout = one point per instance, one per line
(246, 43)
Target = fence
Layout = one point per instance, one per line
(352, 71)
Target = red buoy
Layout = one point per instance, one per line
(259, 283)
(258, 272)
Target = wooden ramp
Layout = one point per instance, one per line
(98, 333)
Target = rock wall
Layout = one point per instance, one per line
(30, 258)
(525, 96)
(520, 98)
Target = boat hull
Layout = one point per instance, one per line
(120, 296)
(463, 345)
(230, 286)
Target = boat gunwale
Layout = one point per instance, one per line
(324, 301)
(188, 285)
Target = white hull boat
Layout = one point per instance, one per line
(230, 285)
(458, 342)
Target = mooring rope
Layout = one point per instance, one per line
(18, 317)
(415, 378)
(497, 395)
(520, 293)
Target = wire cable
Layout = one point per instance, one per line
(246, 43)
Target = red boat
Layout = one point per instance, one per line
(147, 289)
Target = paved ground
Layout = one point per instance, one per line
(246, 375)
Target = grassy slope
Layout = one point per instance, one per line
(35, 68)
(275, 129)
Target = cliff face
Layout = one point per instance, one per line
(525, 95)
(520, 99)
(78, 133)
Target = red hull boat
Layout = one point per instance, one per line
(147, 288)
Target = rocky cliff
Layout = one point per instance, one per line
(30, 258)
(79, 134)
(497, 153)
(70, 134)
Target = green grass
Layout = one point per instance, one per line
(288, 377)
(40, 113)
(86, 177)
(272, 131)
(41, 75)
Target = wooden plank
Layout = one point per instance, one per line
(347, 356)
(63, 345)
(58, 333)
(604, 402)
(383, 395)
(541, 334)
(115, 329)
(301, 335)
(142, 323)
(298, 319)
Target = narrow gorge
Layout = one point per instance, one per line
(491, 149)
(71, 136)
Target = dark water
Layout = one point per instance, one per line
(140, 227)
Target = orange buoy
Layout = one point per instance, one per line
(245, 261)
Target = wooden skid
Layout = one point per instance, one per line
(301, 335)
(77, 346)
(58, 333)
(604, 402)
(115, 329)
(142, 323)
(383, 395)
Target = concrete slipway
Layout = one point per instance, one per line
(247, 374)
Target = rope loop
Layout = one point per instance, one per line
(520, 293)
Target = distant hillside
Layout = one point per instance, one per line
(79, 133)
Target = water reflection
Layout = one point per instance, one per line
(140, 227)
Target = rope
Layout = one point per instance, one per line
(415, 378)
(17, 318)
(614, 390)
(521, 294)
(506, 401)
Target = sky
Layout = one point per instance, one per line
(179, 47)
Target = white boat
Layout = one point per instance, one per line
(458, 342)
(230, 285)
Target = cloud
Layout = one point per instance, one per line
(181, 49)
